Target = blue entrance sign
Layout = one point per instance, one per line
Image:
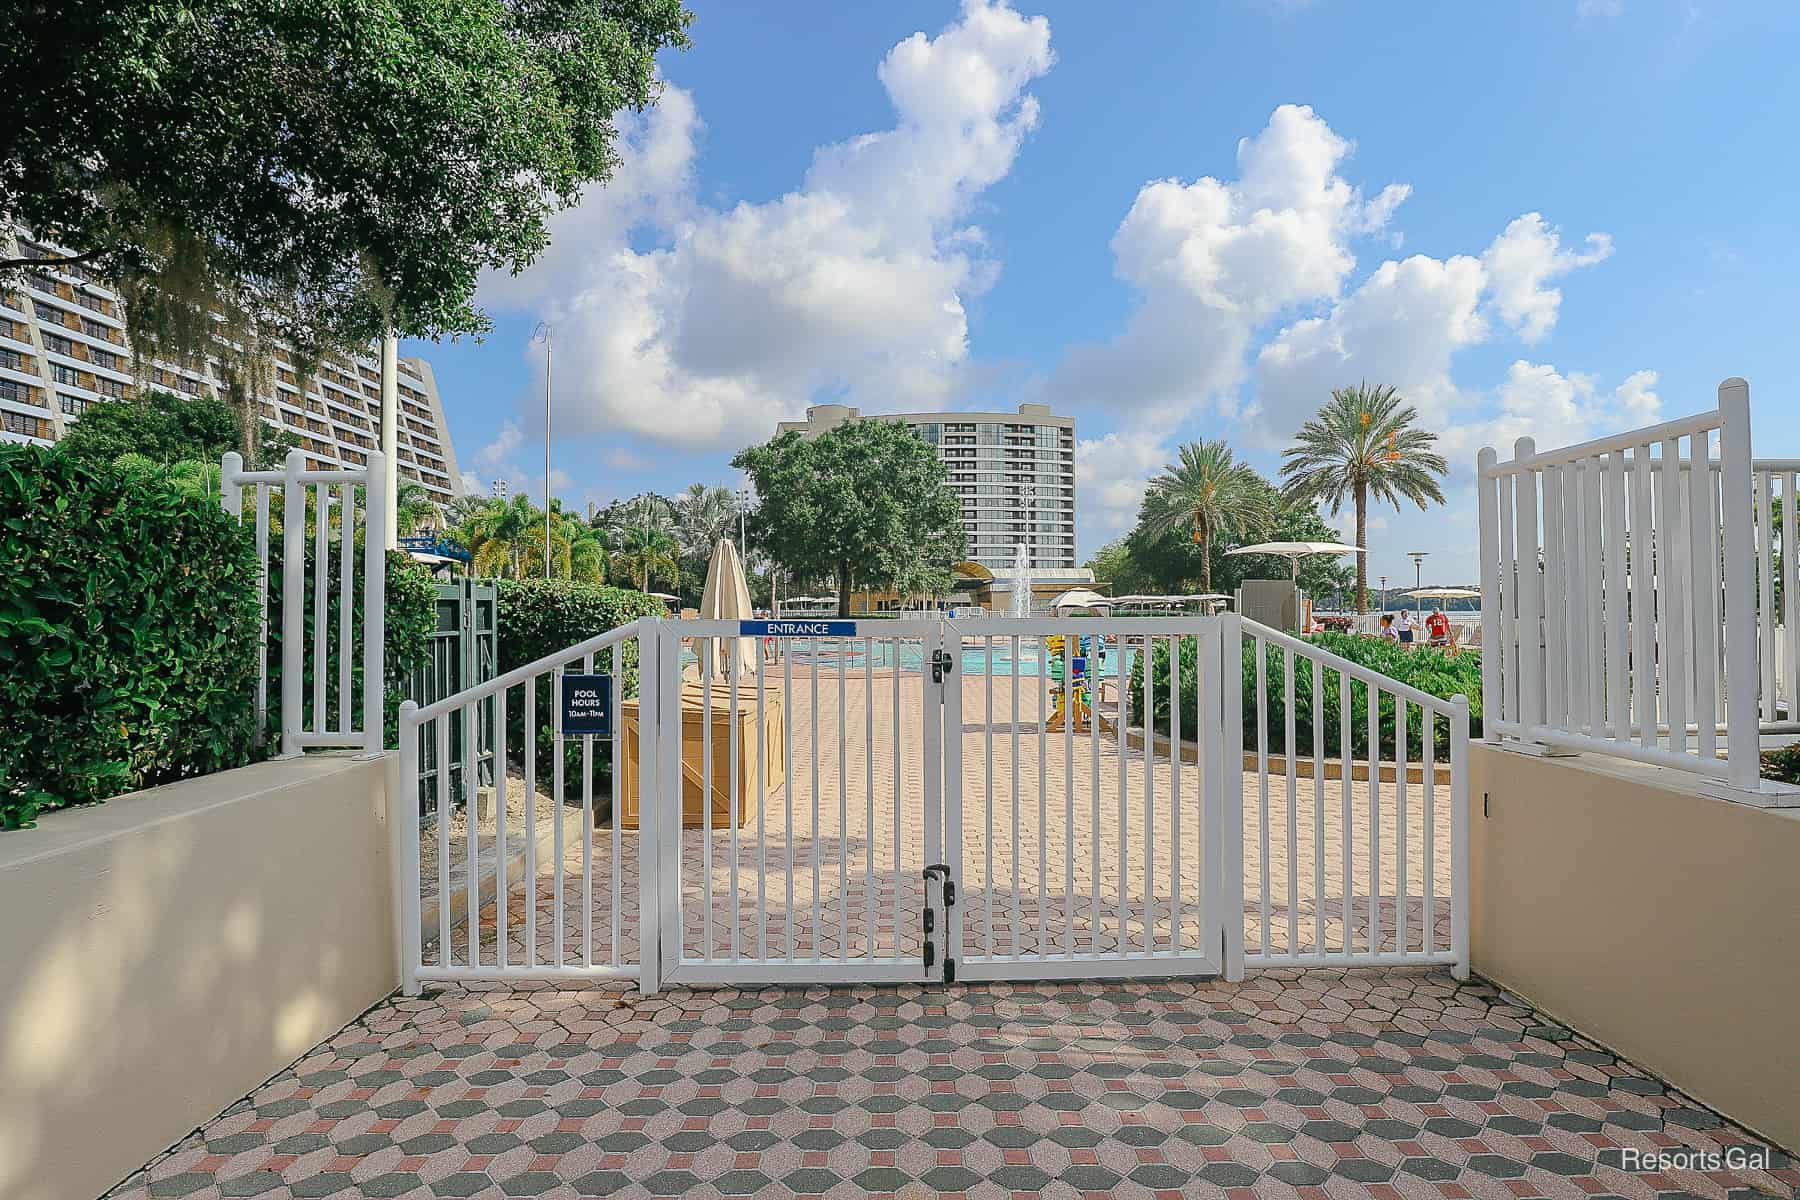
(797, 628)
(587, 705)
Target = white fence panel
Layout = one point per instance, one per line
(314, 720)
(1649, 622)
(552, 892)
(1369, 868)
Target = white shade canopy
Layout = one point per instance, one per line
(1295, 551)
(1445, 593)
(1080, 598)
(662, 596)
(726, 597)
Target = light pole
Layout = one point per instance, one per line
(543, 333)
(1418, 557)
(1383, 601)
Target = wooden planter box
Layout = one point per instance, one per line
(752, 749)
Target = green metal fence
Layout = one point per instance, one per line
(464, 653)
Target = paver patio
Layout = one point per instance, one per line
(1392, 1083)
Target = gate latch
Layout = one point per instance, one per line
(940, 872)
(941, 665)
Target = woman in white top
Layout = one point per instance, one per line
(1403, 627)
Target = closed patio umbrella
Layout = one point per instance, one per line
(726, 597)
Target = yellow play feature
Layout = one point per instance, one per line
(1071, 699)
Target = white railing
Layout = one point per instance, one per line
(1638, 635)
(1371, 868)
(576, 902)
(1774, 483)
(307, 721)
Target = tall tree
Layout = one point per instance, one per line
(646, 553)
(1207, 494)
(254, 171)
(866, 502)
(1364, 443)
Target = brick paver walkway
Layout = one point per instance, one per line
(820, 838)
(1324, 1084)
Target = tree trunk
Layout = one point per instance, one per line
(1362, 541)
(844, 588)
(1205, 561)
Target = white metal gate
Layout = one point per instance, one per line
(879, 801)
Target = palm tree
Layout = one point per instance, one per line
(1363, 443)
(1208, 494)
(644, 551)
(496, 535)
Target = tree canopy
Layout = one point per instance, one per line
(1365, 442)
(865, 503)
(327, 168)
(165, 429)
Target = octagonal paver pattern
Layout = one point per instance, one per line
(1324, 1084)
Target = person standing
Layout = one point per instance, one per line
(1403, 627)
(1437, 628)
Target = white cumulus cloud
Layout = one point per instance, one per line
(1520, 264)
(1213, 260)
(698, 326)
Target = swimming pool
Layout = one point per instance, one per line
(855, 653)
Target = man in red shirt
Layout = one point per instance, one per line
(1437, 628)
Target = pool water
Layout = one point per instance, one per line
(855, 653)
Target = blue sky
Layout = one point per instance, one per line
(1171, 220)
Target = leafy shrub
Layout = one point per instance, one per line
(409, 621)
(1782, 765)
(1426, 668)
(126, 611)
(540, 617)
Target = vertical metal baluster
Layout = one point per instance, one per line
(531, 829)
(321, 664)
(1401, 835)
(472, 839)
(817, 928)
(1069, 641)
(618, 770)
(262, 608)
(1094, 791)
(502, 890)
(1017, 912)
(558, 792)
(1374, 716)
(1318, 744)
(843, 782)
(899, 736)
(587, 840)
(762, 803)
(346, 626)
(1044, 939)
(1123, 948)
(709, 656)
(1346, 777)
(987, 842)
(445, 799)
(1428, 932)
(1288, 755)
(1175, 906)
(787, 698)
(1149, 796)
(869, 888)
(1262, 789)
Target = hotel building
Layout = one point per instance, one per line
(1014, 473)
(63, 348)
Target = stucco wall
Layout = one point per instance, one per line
(1660, 921)
(164, 953)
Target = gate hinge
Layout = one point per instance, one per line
(941, 665)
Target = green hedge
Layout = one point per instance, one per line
(126, 606)
(1428, 669)
(540, 617)
(410, 617)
